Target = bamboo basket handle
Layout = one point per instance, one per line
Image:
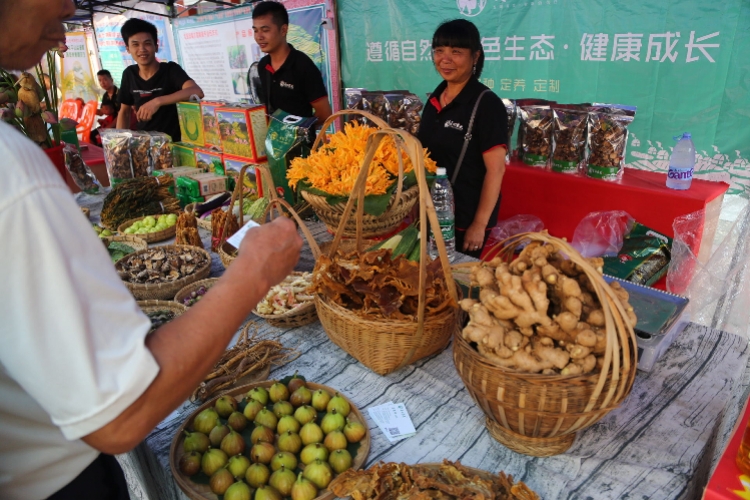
(269, 188)
(305, 231)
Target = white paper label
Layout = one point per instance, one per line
(237, 237)
(393, 420)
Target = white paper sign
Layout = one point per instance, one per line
(237, 237)
(393, 420)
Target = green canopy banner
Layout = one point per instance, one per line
(680, 62)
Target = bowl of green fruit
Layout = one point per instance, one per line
(151, 228)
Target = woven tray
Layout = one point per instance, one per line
(299, 316)
(196, 491)
(167, 291)
(187, 290)
(148, 306)
(131, 240)
(149, 237)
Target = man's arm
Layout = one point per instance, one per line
(146, 111)
(187, 348)
(123, 117)
(322, 110)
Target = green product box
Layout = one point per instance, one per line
(211, 134)
(183, 155)
(203, 184)
(243, 131)
(211, 161)
(191, 122)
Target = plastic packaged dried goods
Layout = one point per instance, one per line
(535, 134)
(569, 138)
(608, 138)
(79, 171)
(140, 153)
(161, 151)
(116, 145)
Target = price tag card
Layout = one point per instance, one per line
(236, 238)
(393, 420)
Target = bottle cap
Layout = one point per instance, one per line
(685, 135)
(442, 172)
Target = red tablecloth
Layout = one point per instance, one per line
(562, 200)
(92, 154)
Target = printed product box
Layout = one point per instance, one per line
(243, 131)
(203, 184)
(211, 161)
(211, 134)
(176, 173)
(233, 164)
(183, 155)
(191, 122)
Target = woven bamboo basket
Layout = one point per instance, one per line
(149, 237)
(402, 201)
(227, 253)
(135, 242)
(166, 291)
(148, 306)
(187, 290)
(386, 345)
(539, 415)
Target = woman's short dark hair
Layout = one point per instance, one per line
(462, 34)
(277, 10)
(134, 26)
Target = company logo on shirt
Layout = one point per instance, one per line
(146, 93)
(286, 85)
(454, 125)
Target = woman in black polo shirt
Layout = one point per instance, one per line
(459, 58)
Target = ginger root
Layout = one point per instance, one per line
(541, 313)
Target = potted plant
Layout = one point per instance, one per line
(33, 108)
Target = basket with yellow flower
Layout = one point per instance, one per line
(326, 177)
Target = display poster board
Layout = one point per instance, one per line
(77, 78)
(683, 63)
(217, 49)
(112, 51)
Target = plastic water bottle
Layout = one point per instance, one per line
(442, 198)
(681, 163)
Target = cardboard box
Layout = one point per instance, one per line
(243, 131)
(211, 134)
(251, 181)
(183, 155)
(191, 122)
(728, 482)
(202, 184)
(212, 161)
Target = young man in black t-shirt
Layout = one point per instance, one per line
(289, 79)
(151, 87)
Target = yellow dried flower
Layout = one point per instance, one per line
(334, 167)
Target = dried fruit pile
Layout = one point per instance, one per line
(333, 168)
(287, 440)
(376, 285)
(539, 314)
(160, 265)
(449, 481)
(288, 295)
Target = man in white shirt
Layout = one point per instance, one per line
(79, 379)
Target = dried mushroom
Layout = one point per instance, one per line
(161, 265)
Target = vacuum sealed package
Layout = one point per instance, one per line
(116, 145)
(608, 138)
(403, 110)
(288, 137)
(79, 171)
(569, 136)
(644, 256)
(535, 134)
(140, 153)
(161, 151)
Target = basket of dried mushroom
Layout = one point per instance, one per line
(549, 348)
(386, 311)
(160, 272)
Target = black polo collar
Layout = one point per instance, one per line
(467, 94)
(287, 62)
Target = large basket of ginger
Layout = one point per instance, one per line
(549, 348)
